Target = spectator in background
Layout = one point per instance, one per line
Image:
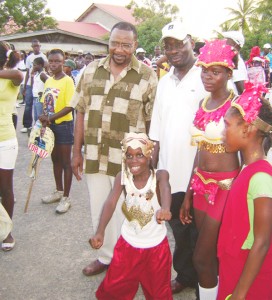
(21, 66)
(157, 56)
(80, 66)
(38, 79)
(268, 55)
(67, 55)
(140, 54)
(163, 66)
(256, 66)
(198, 46)
(237, 40)
(68, 67)
(88, 58)
(27, 117)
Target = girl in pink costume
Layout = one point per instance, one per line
(244, 245)
(214, 168)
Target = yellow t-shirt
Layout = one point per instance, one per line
(8, 96)
(57, 95)
(162, 71)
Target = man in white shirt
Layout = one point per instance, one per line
(239, 76)
(27, 91)
(178, 95)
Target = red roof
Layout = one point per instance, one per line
(120, 12)
(88, 29)
(95, 30)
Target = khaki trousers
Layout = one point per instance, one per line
(99, 186)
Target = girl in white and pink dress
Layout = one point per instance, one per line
(142, 254)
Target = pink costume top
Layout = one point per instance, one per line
(208, 126)
(206, 133)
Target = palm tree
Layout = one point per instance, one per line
(265, 12)
(265, 8)
(244, 15)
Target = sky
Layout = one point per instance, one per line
(201, 17)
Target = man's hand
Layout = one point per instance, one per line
(77, 165)
(184, 213)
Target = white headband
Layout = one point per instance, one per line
(135, 140)
(8, 53)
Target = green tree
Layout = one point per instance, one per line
(254, 18)
(228, 26)
(261, 28)
(243, 15)
(152, 15)
(264, 22)
(152, 8)
(265, 10)
(25, 15)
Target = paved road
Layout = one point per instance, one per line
(50, 249)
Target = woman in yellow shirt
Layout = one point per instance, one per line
(10, 80)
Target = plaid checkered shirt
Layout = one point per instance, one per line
(112, 108)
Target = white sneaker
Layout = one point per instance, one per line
(64, 205)
(23, 130)
(54, 197)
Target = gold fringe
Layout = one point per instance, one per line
(224, 184)
(212, 148)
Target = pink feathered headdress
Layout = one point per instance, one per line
(254, 52)
(249, 105)
(217, 52)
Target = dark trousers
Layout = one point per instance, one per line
(14, 120)
(185, 240)
(27, 118)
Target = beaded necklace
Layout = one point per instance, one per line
(205, 116)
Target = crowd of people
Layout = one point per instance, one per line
(185, 146)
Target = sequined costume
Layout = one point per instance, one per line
(208, 126)
(206, 133)
(140, 228)
(211, 191)
(142, 253)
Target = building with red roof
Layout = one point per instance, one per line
(89, 32)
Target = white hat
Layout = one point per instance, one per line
(257, 58)
(267, 46)
(140, 50)
(236, 36)
(80, 51)
(175, 30)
